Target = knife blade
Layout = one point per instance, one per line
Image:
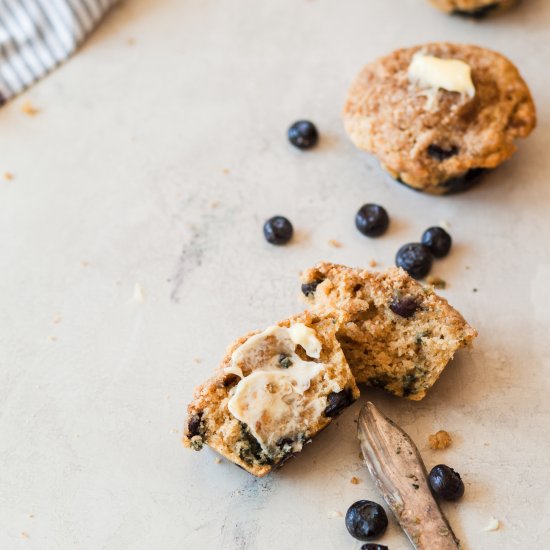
(400, 475)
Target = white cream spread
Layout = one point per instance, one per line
(434, 73)
(269, 398)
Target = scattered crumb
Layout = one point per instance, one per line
(361, 457)
(131, 41)
(24, 535)
(52, 338)
(30, 516)
(28, 108)
(467, 267)
(214, 204)
(493, 525)
(444, 224)
(440, 440)
(436, 282)
(84, 263)
(56, 319)
(333, 514)
(197, 360)
(373, 263)
(475, 289)
(226, 171)
(168, 396)
(218, 460)
(8, 176)
(355, 480)
(138, 295)
(335, 243)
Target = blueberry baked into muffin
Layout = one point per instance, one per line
(439, 115)
(273, 391)
(473, 8)
(395, 333)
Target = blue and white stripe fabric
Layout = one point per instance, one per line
(37, 35)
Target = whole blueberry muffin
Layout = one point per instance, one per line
(395, 333)
(473, 8)
(439, 115)
(273, 391)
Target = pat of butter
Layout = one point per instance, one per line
(305, 336)
(452, 75)
(270, 398)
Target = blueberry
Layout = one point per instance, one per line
(373, 546)
(446, 483)
(405, 307)
(437, 240)
(285, 361)
(415, 258)
(372, 220)
(337, 402)
(477, 13)
(308, 289)
(441, 153)
(366, 520)
(303, 134)
(194, 427)
(278, 230)
(458, 184)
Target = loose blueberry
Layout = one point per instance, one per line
(303, 134)
(308, 289)
(278, 230)
(446, 483)
(437, 240)
(366, 520)
(372, 220)
(415, 258)
(373, 546)
(337, 402)
(405, 307)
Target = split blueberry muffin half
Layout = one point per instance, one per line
(395, 333)
(273, 391)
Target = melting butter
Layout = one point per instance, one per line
(270, 399)
(432, 72)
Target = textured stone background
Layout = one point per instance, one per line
(120, 180)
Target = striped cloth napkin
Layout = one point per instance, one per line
(37, 35)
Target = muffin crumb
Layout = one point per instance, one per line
(440, 440)
(492, 525)
(28, 108)
(436, 282)
(355, 480)
(335, 243)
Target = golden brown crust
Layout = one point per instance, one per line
(392, 118)
(403, 354)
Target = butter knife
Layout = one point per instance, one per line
(400, 475)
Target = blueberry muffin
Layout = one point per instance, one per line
(273, 391)
(395, 333)
(473, 8)
(438, 116)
